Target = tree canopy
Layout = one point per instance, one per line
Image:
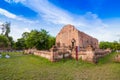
(4, 42)
(112, 45)
(35, 39)
(5, 39)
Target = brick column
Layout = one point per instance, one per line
(52, 55)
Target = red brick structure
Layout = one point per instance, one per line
(71, 42)
(69, 36)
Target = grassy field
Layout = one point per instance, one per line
(30, 67)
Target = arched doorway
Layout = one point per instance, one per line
(73, 43)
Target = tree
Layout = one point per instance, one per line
(112, 45)
(115, 45)
(43, 40)
(38, 39)
(11, 41)
(32, 39)
(51, 41)
(25, 35)
(105, 45)
(3, 29)
(6, 29)
(4, 42)
(20, 44)
(35, 39)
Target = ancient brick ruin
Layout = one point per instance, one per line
(69, 36)
(73, 43)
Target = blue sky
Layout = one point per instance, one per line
(98, 18)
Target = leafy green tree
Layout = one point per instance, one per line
(51, 41)
(43, 40)
(35, 39)
(25, 35)
(11, 41)
(4, 42)
(20, 44)
(115, 45)
(5, 31)
(112, 45)
(32, 39)
(38, 39)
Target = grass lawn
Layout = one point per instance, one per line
(30, 67)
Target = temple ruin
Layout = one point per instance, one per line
(69, 36)
(72, 43)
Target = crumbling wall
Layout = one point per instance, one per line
(69, 33)
(54, 54)
(85, 55)
(91, 55)
(45, 54)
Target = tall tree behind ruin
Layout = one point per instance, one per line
(6, 29)
(5, 32)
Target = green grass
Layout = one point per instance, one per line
(30, 67)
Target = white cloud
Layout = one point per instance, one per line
(7, 14)
(53, 14)
(13, 16)
(19, 1)
(0, 26)
(8, 1)
(50, 13)
(0, 23)
(14, 1)
(89, 22)
(17, 31)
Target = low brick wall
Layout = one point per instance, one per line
(85, 55)
(57, 54)
(50, 55)
(45, 54)
(90, 55)
(30, 51)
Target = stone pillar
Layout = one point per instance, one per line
(90, 54)
(52, 55)
(53, 50)
(73, 52)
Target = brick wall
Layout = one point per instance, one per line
(69, 32)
